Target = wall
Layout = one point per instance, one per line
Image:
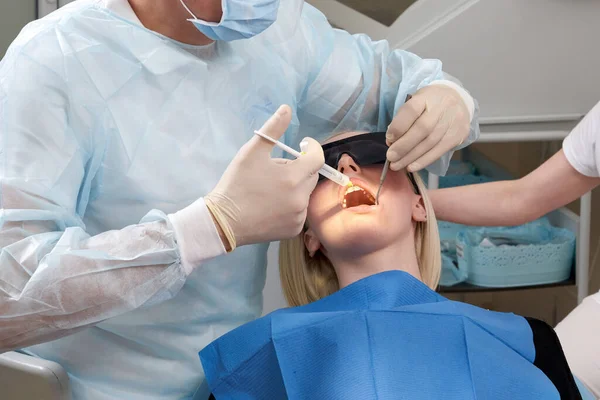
(516, 56)
(14, 14)
(385, 12)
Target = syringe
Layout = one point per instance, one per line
(327, 171)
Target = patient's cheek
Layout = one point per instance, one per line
(314, 215)
(313, 204)
(320, 199)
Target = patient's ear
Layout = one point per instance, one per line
(312, 242)
(419, 212)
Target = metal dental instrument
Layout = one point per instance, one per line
(386, 167)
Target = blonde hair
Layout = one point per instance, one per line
(305, 279)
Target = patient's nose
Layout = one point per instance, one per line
(347, 165)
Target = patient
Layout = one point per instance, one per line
(347, 237)
(365, 321)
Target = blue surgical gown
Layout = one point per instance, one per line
(106, 128)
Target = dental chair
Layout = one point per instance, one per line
(23, 377)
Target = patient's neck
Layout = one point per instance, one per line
(352, 266)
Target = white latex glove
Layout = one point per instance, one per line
(262, 198)
(433, 122)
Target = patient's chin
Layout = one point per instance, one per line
(357, 239)
(363, 232)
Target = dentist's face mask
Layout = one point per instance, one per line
(242, 19)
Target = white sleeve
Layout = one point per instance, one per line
(580, 147)
(55, 282)
(197, 236)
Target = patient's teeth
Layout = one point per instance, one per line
(356, 188)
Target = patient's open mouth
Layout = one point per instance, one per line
(357, 196)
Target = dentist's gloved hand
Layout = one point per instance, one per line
(261, 199)
(433, 122)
